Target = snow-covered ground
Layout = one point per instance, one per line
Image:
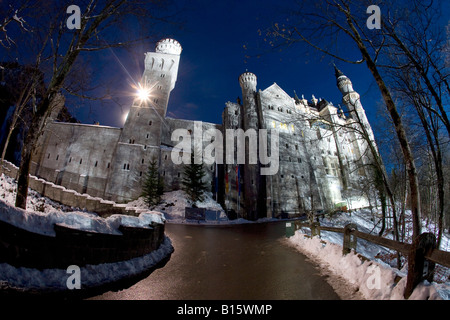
(173, 206)
(374, 279)
(40, 216)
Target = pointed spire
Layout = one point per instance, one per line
(338, 73)
(297, 100)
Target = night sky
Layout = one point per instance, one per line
(221, 40)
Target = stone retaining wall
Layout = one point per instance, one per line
(22, 248)
(69, 197)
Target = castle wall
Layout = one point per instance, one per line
(319, 164)
(76, 156)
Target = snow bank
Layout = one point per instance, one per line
(42, 222)
(374, 279)
(51, 213)
(28, 279)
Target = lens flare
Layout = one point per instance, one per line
(143, 94)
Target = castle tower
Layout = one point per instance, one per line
(140, 139)
(352, 100)
(146, 115)
(249, 116)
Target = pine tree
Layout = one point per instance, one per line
(153, 186)
(192, 181)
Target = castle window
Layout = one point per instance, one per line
(282, 176)
(81, 160)
(299, 160)
(128, 166)
(164, 172)
(162, 75)
(147, 136)
(287, 146)
(96, 162)
(48, 157)
(155, 100)
(140, 173)
(142, 161)
(296, 147)
(178, 174)
(150, 123)
(57, 157)
(124, 166)
(70, 159)
(109, 164)
(165, 157)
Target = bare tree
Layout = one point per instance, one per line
(331, 21)
(28, 83)
(101, 24)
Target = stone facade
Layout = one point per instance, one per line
(320, 153)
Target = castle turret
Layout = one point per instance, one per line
(146, 115)
(140, 139)
(352, 100)
(247, 80)
(250, 123)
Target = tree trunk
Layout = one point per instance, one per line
(399, 129)
(29, 144)
(5, 147)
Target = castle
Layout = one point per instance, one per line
(322, 160)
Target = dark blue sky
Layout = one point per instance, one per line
(216, 38)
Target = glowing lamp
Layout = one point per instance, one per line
(143, 94)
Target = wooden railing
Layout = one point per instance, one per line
(422, 253)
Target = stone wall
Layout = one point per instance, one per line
(71, 198)
(22, 248)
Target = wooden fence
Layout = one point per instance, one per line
(422, 253)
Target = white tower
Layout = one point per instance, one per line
(352, 100)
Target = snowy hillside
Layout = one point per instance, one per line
(173, 206)
(375, 279)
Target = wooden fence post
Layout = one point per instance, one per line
(418, 267)
(315, 229)
(349, 239)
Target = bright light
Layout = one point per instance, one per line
(124, 117)
(143, 94)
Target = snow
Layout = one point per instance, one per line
(28, 279)
(51, 213)
(42, 221)
(375, 279)
(173, 206)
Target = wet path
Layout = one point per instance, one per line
(230, 262)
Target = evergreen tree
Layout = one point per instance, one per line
(153, 186)
(192, 181)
